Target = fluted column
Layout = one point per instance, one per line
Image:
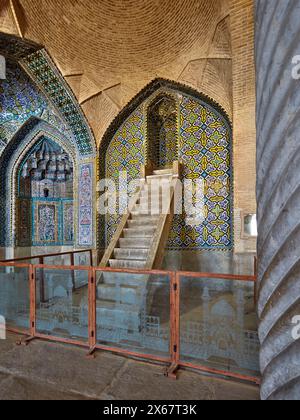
(278, 194)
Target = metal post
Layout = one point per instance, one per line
(32, 303)
(32, 274)
(92, 311)
(42, 280)
(73, 273)
(174, 326)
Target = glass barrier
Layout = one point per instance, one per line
(15, 297)
(218, 325)
(57, 260)
(133, 312)
(61, 310)
(82, 259)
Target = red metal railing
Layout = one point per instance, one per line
(42, 257)
(173, 361)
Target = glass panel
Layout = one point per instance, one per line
(58, 260)
(133, 312)
(82, 259)
(15, 297)
(62, 311)
(218, 325)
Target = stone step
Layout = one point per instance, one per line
(130, 264)
(135, 243)
(146, 218)
(110, 304)
(142, 207)
(123, 279)
(144, 212)
(126, 294)
(152, 205)
(143, 221)
(140, 232)
(167, 177)
(121, 317)
(154, 194)
(131, 254)
(148, 200)
(167, 171)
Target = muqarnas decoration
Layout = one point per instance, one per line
(45, 193)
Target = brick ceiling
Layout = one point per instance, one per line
(108, 50)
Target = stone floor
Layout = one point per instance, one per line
(50, 371)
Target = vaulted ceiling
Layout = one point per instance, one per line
(108, 50)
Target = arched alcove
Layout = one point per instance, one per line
(19, 201)
(162, 134)
(201, 140)
(33, 108)
(44, 199)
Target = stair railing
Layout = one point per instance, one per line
(161, 236)
(120, 230)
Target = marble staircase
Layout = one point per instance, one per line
(136, 239)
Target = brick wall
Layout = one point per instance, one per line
(244, 130)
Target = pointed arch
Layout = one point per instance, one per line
(152, 89)
(14, 153)
(204, 149)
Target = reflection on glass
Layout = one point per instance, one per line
(61, 306)
(219, 325)
(133, 312)
(14, 296)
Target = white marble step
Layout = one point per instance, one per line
(143, 221)
(145, 212)
(145, 217)
(126, 294)
(163, 172)
(148, 199)
(152, 205)
(122, 279)
(130, 264)
(141, 232)
(136, 243)
(131, 254)
(111, 316)
(167, 177)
